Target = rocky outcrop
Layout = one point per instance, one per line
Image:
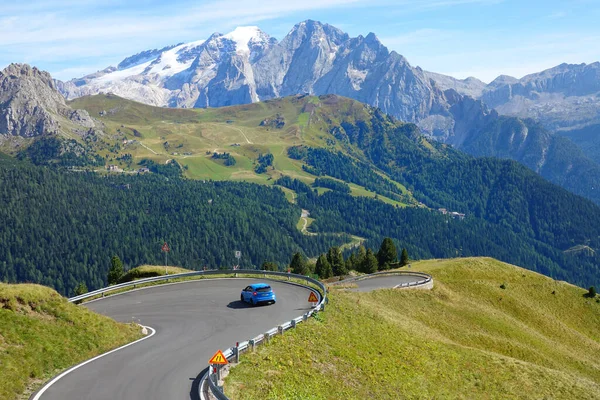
(277, 122)
(30, 104)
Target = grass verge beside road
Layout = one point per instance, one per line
(41, 334)
(466, 338)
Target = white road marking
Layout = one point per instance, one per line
(53, 381)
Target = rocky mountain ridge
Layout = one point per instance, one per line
(561, 98)
(30, 104)
(247, 65)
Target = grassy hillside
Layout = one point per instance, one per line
(466, 338)
(41, 334)
(192, 136)
(148, 271)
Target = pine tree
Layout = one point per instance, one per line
(81, 289)
(270, 266)
(592, 292)
(298, 264)
(404, 260)
(323, 268)
(387, 254)
(116, 270)
(336, 259)
(371, 263)
(351, 262)
(361, 256)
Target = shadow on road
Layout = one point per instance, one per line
(194, 395)
(238, 304)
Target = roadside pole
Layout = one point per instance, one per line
(238, 255)
(165, 248)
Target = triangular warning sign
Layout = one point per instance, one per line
(218, 358)
(312, 298)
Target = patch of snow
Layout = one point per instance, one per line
(243, 35)
(357, 77)
(167, 65)
(120, 75)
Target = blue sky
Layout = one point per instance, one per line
(481, 38)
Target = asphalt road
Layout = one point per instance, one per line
(385, 281)
(192, 321)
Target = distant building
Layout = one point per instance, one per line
(452, 214)
(458, 215)
(114, 168)
(143, 170)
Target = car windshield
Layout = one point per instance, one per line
(264, 289)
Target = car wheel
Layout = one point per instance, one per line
(242, 298)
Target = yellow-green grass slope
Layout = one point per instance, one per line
(41, 333)
(148, 271)
(467, 338)
(190, 136)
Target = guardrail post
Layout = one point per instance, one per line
(280, 329)
(251, 342)
(236, 352)
(102, 294)
(293, 322)
(305, 317)
(266, 336)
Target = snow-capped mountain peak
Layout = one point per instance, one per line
(246, 37)
(247, 65)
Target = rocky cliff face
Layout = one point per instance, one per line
(562, 97)
(30, 104)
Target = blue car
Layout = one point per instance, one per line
(258, 293)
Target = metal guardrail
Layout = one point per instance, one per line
(102, 292)
(427, 278)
